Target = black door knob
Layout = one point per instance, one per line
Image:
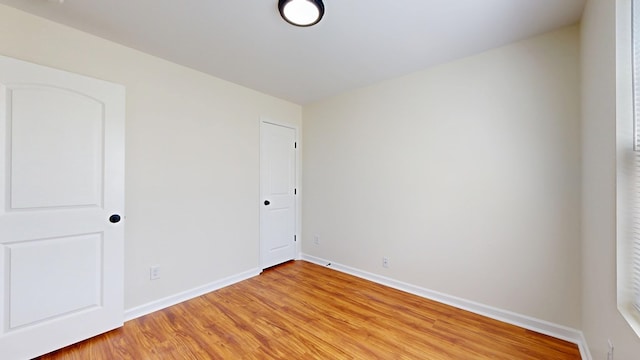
(267, 202)
(114, 218)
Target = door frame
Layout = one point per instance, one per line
(298, 185)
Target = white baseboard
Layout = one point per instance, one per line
(160, 304)
(541, 326)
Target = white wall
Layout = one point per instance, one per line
(600, 317)
(466, 175)
(192, 163)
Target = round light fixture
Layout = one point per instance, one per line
(301, 12)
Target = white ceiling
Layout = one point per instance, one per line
(358, 42)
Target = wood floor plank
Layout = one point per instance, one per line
(299, 310)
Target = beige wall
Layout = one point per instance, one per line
(192, 163)
(600, 317)
(466, 176)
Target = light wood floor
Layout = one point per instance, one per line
(304, 311)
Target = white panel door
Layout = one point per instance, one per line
(61, 196)
(277, 191)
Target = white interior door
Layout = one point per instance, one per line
(277, 192)
(61, 181)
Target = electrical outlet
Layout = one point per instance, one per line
(154, 272)
(316, 239)
(385, 262)
(610, 352)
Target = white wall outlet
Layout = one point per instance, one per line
(610, 352)
(154, 272)
(385, 262)
(316, 239)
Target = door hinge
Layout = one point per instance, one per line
(294, 238)
(295, 191)
(295, 145)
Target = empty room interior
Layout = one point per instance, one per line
(462, 153)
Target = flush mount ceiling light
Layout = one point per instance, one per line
(301, 12)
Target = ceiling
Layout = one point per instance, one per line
(357, 43)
